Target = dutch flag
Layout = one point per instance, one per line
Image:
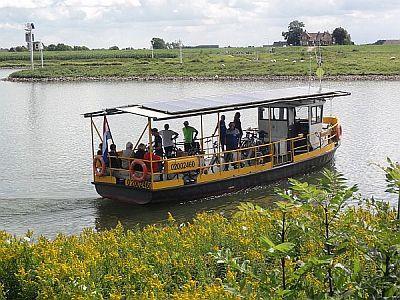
(106, 137)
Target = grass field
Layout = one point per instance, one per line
(223, 62)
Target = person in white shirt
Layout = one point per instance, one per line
(126, 154)
(168, 137)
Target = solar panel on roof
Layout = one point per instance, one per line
(217, 103)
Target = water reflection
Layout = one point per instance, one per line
(109, 213)
(33, 109)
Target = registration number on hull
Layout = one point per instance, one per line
(138, 184)
(182, 165)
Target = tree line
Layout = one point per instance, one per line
(51, 47)
(158, 43)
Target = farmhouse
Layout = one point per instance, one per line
(314, 39)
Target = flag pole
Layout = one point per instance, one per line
(112, 140)
(91, 132)
(98, 133)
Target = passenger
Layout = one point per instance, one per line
(222, 132)
(140, 152)
(100, 150)
(158, 142)
(188, 136)
(168, 137)
(126, 154)
(99, 153)
(156, 164)
(232, 142)
(115, 162)
(238, 125)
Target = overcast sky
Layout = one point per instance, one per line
(132, 23)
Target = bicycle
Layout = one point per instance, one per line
(247, 143)
(215, 159)
(250, 142)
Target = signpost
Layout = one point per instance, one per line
(32, 45)
(180, 52)
(320, 72)
(41, 52)
(29, 38)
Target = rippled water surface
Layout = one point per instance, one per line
(46, 166)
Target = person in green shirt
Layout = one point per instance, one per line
(189, 135)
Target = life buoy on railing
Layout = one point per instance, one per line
(132, 171)
(338, 132)
(96, 159)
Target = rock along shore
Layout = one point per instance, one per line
(213, 78)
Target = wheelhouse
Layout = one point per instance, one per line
(292, 136)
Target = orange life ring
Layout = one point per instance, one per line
(102, 172)
(132, 171)
(338, 132)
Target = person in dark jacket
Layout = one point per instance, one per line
(231, 142)
(139, 154)
(222, 132)
(115, 162)
(100, 150)
(157, 144)
(238, 125)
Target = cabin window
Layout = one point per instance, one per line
(316, 114)
(302, 113)
(277, 113)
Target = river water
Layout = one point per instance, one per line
(45, 169)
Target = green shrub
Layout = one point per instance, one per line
(313, 245)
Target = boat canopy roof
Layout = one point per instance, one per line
(193, 106)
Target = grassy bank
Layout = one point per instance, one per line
(209, 63)
(309, 247)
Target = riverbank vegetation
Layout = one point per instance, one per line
(207, 63)
(316, 243)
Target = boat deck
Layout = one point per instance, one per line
(211, 165)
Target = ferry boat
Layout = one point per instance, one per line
(293, 137)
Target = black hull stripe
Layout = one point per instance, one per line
(206, 189)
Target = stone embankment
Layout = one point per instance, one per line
(205, 78)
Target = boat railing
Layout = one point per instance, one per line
(211, 160)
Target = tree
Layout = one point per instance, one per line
(158, 43)
(63, 47)
(80, 48)
(341, 36)
(293, 35)
(172, 45)
(58, 47)
(18, 49)
(50, 47)
(113, 48)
